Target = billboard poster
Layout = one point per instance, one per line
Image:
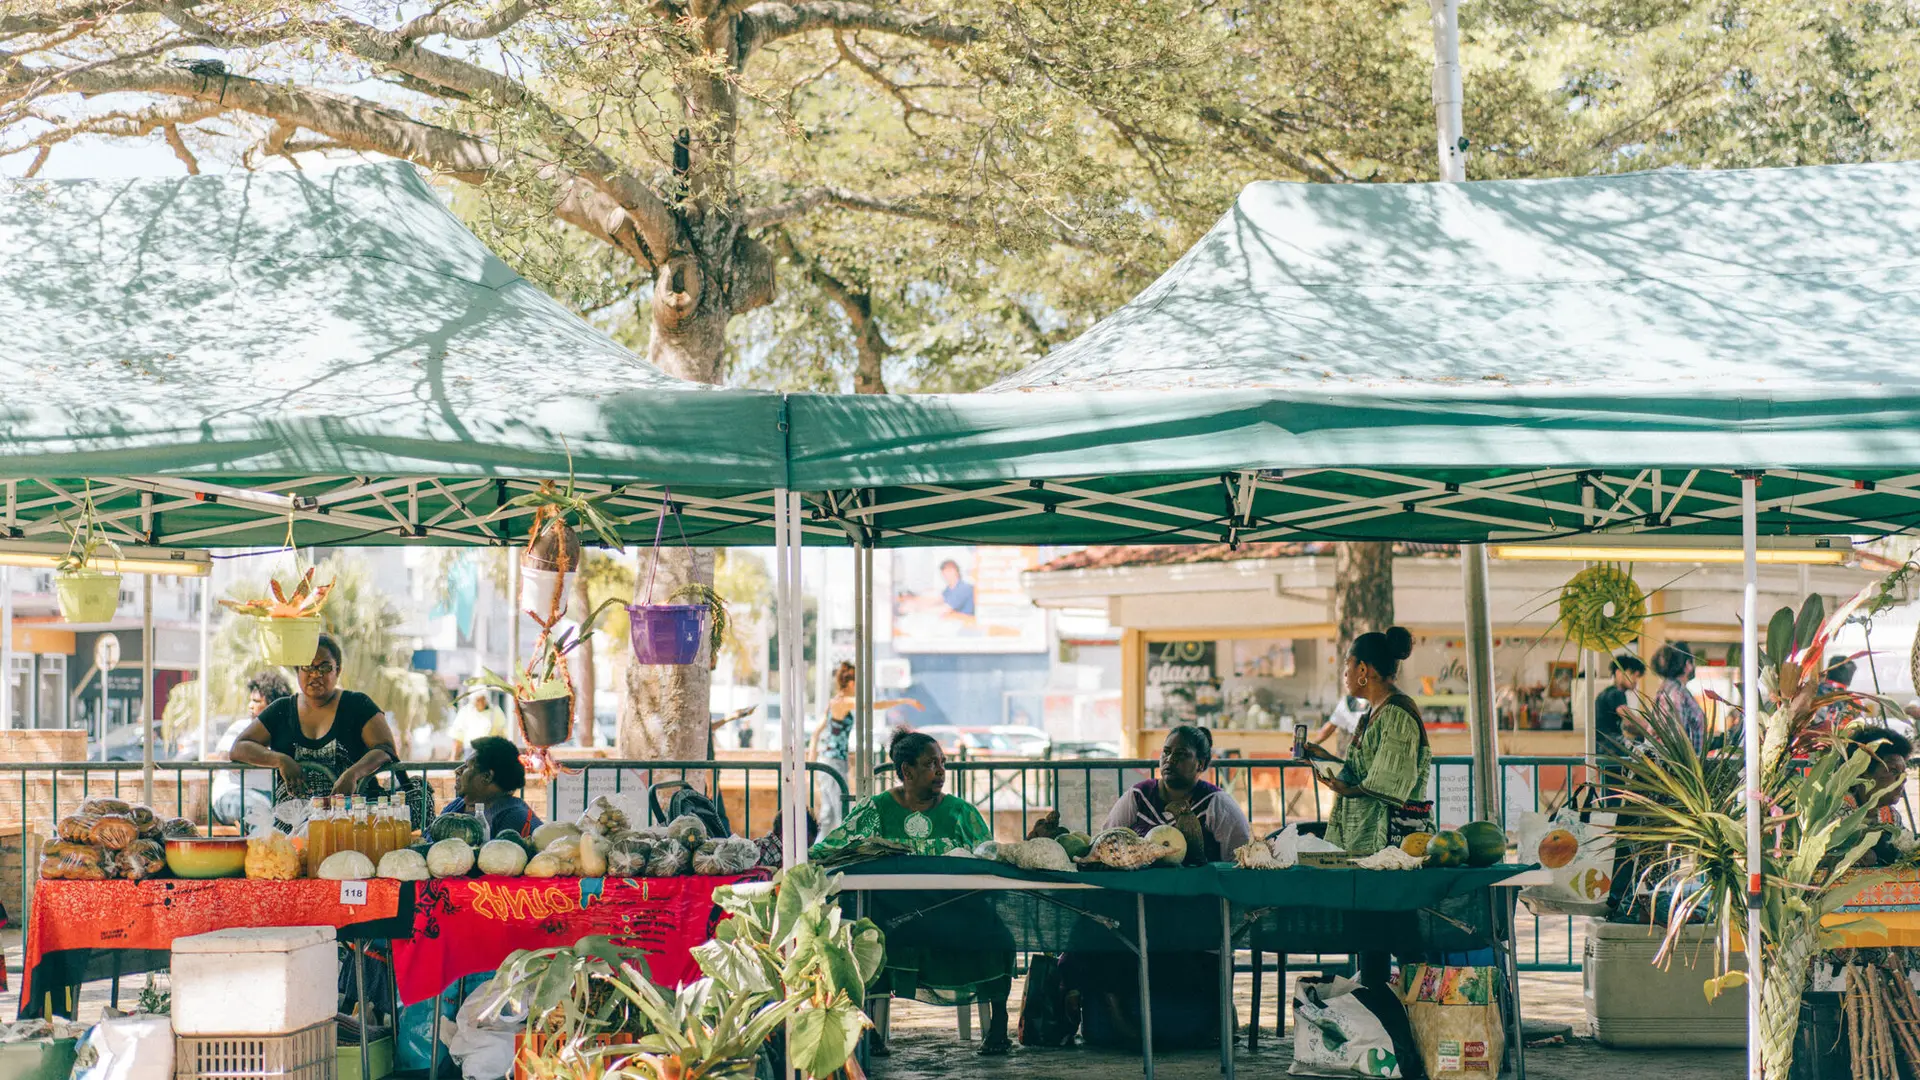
(965, 600)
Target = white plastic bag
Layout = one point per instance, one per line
(126, 1048)
(1335, 1035)
(484, 1045)
(1579, 855)
(1288, 846)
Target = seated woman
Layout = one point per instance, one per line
(917, 813)
(489, 780)
(1186, 1002)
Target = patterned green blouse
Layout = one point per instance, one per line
(951, 823)
(1388, 758)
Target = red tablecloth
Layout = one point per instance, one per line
(464, 926)
(151, 914)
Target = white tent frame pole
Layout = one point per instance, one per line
(1447, 90)
(1750, 743)
(206, 657)
(1480, 688)
(862, 778)
(6, 647)
(787, 607)
(146, 689)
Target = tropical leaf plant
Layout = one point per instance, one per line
(84, 540)
(545, 675)
(698, 592)
(300, 600)
(784, 958)
(1682, 816)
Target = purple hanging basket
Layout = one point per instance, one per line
(668, 633)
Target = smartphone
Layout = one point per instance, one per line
(1300, 742)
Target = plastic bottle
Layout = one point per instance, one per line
(400, 823)
(319, 830)
(360, 829)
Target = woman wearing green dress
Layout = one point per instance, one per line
(917, 812)
(1387, 764)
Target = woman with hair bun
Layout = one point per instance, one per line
(1387, 765)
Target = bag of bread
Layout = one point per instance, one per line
(65, 861)
(115, 832)
(76, 829)
(101, 805)
(142, 859)
(145, 820)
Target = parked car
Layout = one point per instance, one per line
(1078, 751)
(1002, 741)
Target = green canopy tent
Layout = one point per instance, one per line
(1502, 360)
(213, 357)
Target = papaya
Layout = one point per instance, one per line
(1447, 849)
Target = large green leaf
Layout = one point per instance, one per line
(1779, 637)
(1807, 626)
(869, 949)
(823, 1039)
(734, 965)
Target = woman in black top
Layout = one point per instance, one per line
(323, 739)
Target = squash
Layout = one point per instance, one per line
(545, 835)
(592, 861)
(465, 826)
(451, 857)
(543, 865)
(404, 864)
(502, 857)
(346, 866)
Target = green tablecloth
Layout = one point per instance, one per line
(1301, 909)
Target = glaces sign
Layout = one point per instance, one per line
(1179, 662)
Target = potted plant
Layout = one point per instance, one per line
(1683, 816)
(288, 620)
(542, 686)
(672, 633)
(571, 1007)
(553, 550)
(784, 959)
(86, 593)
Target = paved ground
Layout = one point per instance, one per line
(927, 1047)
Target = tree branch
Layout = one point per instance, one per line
(761, 217)
(869, 376)
(42, 22)
(130, 125)
(772, 20)
(435, 24)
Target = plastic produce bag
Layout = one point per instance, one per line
(1455, 1015)
(1288, 846)
(1578, 850)
(126, 1048)
(1338, 1036)
(62, 860)
(484, 1047)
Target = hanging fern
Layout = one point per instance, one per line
(1602, 608)
(698, 593)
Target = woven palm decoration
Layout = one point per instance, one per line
(1602, 608)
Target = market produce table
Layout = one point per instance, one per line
(81, 930)
(441, 930)
(934, 901)
(464, 926)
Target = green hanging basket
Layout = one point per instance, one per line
(87, 596)
(1602, 608)
(289, 642)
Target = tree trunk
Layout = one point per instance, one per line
(1362, 594)
(583, 674)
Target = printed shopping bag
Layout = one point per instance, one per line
(1336, 1035)
(1455, 1014)
(1578, 849)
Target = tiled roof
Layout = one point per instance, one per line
(1111, 556)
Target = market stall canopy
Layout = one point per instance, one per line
(1460, 362)
(217, 353)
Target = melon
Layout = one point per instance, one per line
(465, 826)
(1076, 844)
(1415, 844)
(1486, 842)
(1171, 842)
(1447, 849)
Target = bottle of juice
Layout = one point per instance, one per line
(400, 824)
(362, 828)
(319, 829)
(383, 828)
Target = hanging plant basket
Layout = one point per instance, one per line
(289, 642)
(1602, 608)
(557, 541)
(546, 722)
(87, 596)
(668, 634)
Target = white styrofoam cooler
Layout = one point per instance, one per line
(269, 980)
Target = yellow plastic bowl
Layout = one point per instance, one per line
(207, 857)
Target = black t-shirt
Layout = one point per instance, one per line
(1606, 723)
(325, 758)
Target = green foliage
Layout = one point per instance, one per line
(545, 675)
(784, 955)
(84, 540)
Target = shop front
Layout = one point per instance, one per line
(1242, 642)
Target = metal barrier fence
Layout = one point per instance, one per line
(217, 795)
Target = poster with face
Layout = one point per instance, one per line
(965, 600)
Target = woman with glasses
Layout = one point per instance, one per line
(323, 740)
